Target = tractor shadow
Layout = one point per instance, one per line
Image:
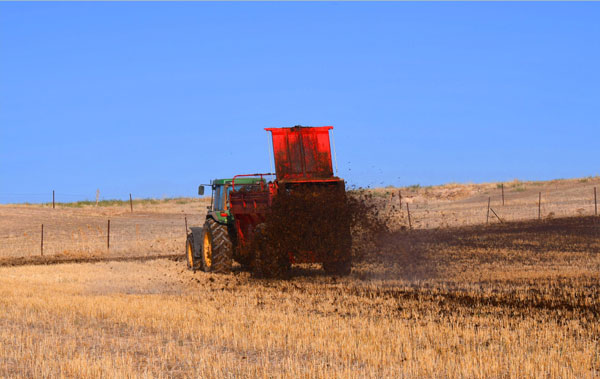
(308, 271)
(297, 271)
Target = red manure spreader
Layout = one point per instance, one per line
(299, 217)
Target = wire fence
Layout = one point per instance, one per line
(418, 209)
(115, 228)
(114, 237)
(29, 231)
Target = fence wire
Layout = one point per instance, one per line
(151, 234)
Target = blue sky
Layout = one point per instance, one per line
(154, 98)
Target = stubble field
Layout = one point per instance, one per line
(517, 299)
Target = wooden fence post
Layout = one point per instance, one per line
(502, 185)
(408, 211)
(540, 206)
(108, 236)
(487, 218)
(595, 203)
(495, 214)
(52, 199)
(400, 198)
(186, 228)
(42, 243)
(131, 203)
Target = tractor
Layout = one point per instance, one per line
(300, 216)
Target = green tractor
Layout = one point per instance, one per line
(298, 217)
(211, 248)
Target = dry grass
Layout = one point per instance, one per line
(519, 299)
(516, 300)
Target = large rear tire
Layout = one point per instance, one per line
(217, 249)
(192, 249)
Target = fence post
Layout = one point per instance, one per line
(186, 228)
(487, 218)
(131, 203)
(408, 211)
(42, 243)
(108, 236)
(400, 197)
(540, 206)
(502, 185)
(52, 199)
(595, 203)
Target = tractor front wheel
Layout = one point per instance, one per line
(217, 248)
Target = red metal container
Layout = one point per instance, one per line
(302, 153)
(302, 160)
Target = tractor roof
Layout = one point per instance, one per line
(237, 181)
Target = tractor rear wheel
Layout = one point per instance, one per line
(192, 249)
(217, 248)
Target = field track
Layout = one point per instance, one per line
(53, 260)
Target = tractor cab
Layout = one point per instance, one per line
(220, 206)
